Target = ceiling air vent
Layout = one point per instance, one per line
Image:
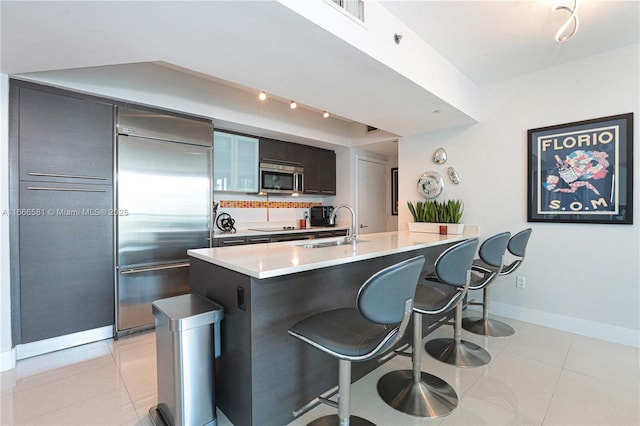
(354, 8)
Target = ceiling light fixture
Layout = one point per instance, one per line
(325, 114)
(563, 35)
(293, 105)
(262, 96)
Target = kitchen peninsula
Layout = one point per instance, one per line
(263, 374)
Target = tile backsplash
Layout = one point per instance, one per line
(252, 204)
(250, 211)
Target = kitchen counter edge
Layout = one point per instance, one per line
(276, 259)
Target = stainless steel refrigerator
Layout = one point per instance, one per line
(163, 209)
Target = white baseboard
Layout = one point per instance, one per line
(7, 359)
(40, 347)
(609, 333)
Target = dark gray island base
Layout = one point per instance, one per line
(263, 373)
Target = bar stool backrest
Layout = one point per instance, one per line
(452, 265)
(493, 248)
(382, 298)
(518, 243)
(517, 247)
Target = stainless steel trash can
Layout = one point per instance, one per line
(187, 328)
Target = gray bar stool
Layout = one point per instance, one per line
(456, 351)
(486, 326)
(384, 305)
(413, 391)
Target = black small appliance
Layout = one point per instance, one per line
(321, 215)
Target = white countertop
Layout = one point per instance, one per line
(275, 259)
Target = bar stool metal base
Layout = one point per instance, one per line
(488, 327)
(430, 397)
(333, 420)
(460, 354)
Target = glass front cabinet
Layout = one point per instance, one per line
(235, 162)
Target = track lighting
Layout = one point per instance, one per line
(262, 96)
(293, 105)
(563, 35)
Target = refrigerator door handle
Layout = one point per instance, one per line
(154, 268)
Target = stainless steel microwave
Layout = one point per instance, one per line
(280, 179)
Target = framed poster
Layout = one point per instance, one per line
(394, 191)
(582, 172)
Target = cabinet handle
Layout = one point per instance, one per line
(232, 242)
(66, 176)
(282, 161)
(155, 268)
(44, 188)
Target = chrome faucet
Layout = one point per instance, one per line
(352, 235)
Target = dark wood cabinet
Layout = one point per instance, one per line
(319, 171)
(279, 152)
(258, 239)
(64, 139)
(66, 259)
(272, 238)
(229, 241)
(329, 234)
(319, 164)
(62, 249)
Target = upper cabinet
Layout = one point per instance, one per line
(279, 152)
(319, 164)
(235, 162)
(64, 138)
(319, 171)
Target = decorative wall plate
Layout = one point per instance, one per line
(430, 184)
(440, 156)
(453, 175)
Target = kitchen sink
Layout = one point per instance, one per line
(332, 243)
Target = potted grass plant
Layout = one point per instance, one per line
(429, 215)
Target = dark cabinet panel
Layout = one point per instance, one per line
(229, 241)
(311, 166)
(340, 233)
(324, 234)
(291, 237)
(273, 238)
(279, 152)
(62, 253)
(328, 234)
(258, 239)
(64, 138)
(319, 171)
(319, 164)
(66, 259)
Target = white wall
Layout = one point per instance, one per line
(583, 278)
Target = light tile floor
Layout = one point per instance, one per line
(539, 376)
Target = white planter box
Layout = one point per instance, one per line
(434, 228)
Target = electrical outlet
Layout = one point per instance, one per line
(521, 282)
